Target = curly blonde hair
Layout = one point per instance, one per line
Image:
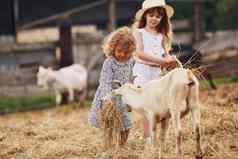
(122, 37)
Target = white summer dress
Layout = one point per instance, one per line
(152, 45)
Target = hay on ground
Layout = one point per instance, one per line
(111, 124)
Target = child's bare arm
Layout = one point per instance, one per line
(147, 58)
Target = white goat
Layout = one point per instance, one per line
(67, 79)
(173, 96)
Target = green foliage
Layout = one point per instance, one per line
(227, 11)
(218, 14)
(9, 104)
(219, 81)
(87, 103)
(210, 15)
(182, 10)
(13, 104)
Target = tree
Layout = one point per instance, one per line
(226, 11)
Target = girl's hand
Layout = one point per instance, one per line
(169, 62)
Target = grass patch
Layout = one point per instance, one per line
(14, 104)
(87, 103)
(11, 104)
(219, 81)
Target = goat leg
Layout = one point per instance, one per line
(163, 133)
(178, 133)
(199, 154)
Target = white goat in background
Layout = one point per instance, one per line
(67, 79)
(172, 96)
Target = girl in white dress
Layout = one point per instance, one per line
(153, 33)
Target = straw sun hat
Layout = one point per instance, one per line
(148, 4)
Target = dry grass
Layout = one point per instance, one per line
(111, 125)
(64, 133)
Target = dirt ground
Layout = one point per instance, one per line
(64, 133)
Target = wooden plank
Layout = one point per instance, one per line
(181, 24)
(66, 56)
(199, 32)
(223, 68)
(112, 15)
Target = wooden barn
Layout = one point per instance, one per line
(53, 37)
(19, 60)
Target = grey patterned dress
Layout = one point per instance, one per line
(111, 70)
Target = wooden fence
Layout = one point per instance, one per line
(223, 67)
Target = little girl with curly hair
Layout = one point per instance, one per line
(118, 48)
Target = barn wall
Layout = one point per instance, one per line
(87, 50)
(223, 63)
(19, 64)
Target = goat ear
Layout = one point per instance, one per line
(41, 68)
(116, 84)
(137, 88)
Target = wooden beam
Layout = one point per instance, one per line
(63, 15)
(16, 15)
(65, 42)
(181, 24)
(199, 32)
(112, 15)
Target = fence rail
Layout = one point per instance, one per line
(223, 67)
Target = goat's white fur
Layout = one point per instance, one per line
(67, 79)
(173, 95)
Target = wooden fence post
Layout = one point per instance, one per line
(199, 32)
(112, 15)
(65, 42)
